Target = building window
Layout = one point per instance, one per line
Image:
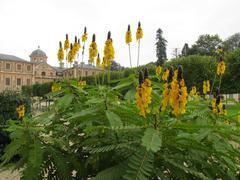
(19, 67)
(28, 68)
(86, 73)
(43, 73)
(18, 82)
(28, 82)
(93, 73)
(7, 81)
(8, 66)
(51, 74)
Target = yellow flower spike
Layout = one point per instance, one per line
(227, 122)
(98, 61)
(93, 51)
(85, 35)
(221, 68)
(71, 54)
(66, 43)
(109, 50)
(20, 111)
(165, 75)
(158, 70)
(76, 46)
(82, 84)
(193, 92)
(56, 87)
(206, 87)
(175, 94)
(128, 36)
(60, 52)
(143, 93)
(139, 33)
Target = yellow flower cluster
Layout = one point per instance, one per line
(71, 54)
(56, 87)
(158, 71)
(60, 52)
(85, 35)
(82, 84)
(139, 33)
(76, 46)
(143, 93)
(221, 68)
(193, 92)
(218, 107)
(98, 61)
(128, 36)
(165, 75)
(206, 87)
(108, 51)
(20, 111)
(66, 43)
(175, 93)
(93, 51)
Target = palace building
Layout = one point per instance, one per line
(16, 72)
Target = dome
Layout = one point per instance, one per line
(38, 53)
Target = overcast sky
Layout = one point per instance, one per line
(25, 24)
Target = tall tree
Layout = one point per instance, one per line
(206, 45)
(232, 42)
(161, 48)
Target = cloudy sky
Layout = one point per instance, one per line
(26, 24)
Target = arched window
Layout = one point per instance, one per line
(43, 73)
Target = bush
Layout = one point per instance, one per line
(9, 100)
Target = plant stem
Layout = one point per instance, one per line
(129, 50)
(109, 75)
(82, 61)
(213, 84)
(220, 82)
(138, 53)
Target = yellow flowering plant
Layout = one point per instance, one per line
(85, 35)
(143, 93)
(60, 52)
(128, 40)
(158, 70)
(20, 111)
(93, 51)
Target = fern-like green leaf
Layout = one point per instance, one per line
(140, 165)
(152, 139)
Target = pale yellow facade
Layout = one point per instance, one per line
(16, 72)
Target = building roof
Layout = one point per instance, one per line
(11, 58)
(58, 69)
(38, 53)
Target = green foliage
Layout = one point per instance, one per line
(97, 133)
(9, 100)
(206, 45)
(37, 89)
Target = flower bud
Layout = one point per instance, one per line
(129, 27)
(109, 35)
(93, 38)
(85, 30)
(180, 71)
(60, 44)
(140, 77)
(75, 39)
(171, 73)
(146, 73)
(66, 36)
